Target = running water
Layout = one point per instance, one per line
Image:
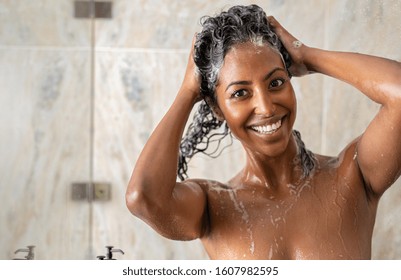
(239, 206)
(338, 204)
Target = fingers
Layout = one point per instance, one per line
(191, 52)
(272, 21)
(194, 39)
(191, 82)
(294, 47)
(281, 32)
(276, 26)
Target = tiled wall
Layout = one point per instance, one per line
(140, 56)
(44, 128)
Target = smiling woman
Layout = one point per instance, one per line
(237, 27)
(286, 202)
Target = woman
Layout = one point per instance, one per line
(286, 203)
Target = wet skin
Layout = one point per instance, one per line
(328, 216)
(269, 211)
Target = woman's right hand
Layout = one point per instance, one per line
(191, 82)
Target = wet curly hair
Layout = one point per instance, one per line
(219, 34)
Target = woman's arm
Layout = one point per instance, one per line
(379, 148)
(175, 210)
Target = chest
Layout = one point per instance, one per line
(313, 222)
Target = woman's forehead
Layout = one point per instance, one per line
(251, 48)
(245, 57)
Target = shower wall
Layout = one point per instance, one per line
(44, 128)
(50, 137)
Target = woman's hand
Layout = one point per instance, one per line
(295, 48)
(191, 82)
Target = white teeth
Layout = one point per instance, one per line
(267, 129)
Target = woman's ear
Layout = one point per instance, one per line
(215, 108)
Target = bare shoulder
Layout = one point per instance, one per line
(345, 170)
(344, 160)
(209, 187)
(217, 193)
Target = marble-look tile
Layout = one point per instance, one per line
(171, 24)
(133, 91)
(45, 147)
(309, 93)
(347, 114)
(42, 23)
(387, 233)
(156, 23)
(365, 26)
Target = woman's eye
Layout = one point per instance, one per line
(238, 93)
(276, 83)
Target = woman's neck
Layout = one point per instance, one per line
(274, 172)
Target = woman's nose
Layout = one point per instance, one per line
(264, 104)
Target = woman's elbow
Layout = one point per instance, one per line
(135, 201)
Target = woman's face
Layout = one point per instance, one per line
(256, 98)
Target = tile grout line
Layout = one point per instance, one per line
(96, 49)
(91, 136)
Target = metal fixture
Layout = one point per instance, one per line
(98, 191)
(109, 254)
(29, 250)
(79, 191)
(101, 191)
(93, 9)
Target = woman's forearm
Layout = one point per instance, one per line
(378, 78)
(155, 172)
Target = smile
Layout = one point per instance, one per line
(267, 129)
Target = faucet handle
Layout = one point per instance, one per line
(29, 250)
(110, 252)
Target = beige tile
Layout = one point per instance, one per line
(172, 23)
(365, 26)
(42, 23)
(130, 101)
(45, 131)
(387, 233)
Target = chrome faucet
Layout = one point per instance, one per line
(30, 252)
(110, 251)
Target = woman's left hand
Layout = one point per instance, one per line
(295, 48)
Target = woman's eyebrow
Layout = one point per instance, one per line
(248, 82)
